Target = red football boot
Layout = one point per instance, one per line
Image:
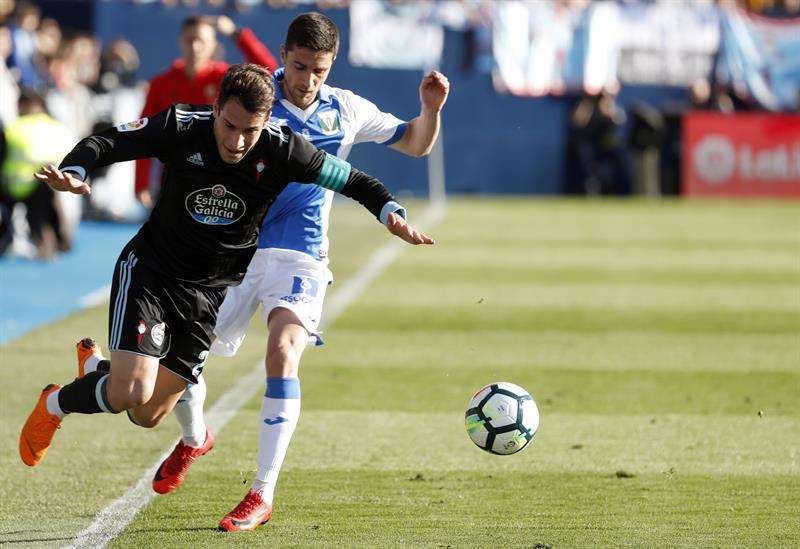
(173, 470)
(251, 513)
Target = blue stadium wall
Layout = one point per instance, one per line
(493, 143)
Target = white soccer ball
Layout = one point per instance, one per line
(502, 418)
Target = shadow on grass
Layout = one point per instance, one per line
(29, 539)
(27, 536)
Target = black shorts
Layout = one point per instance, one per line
(154, 315)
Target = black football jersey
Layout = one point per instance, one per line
(204, 227)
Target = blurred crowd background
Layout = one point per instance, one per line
(548, 97)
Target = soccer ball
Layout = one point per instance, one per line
(502, 418)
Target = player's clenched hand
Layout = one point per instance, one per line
(433, 91)
(62, 181)
(225, 25)
(398, 227)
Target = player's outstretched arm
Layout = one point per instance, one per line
(339, 176)
(143, 138)
(64, 181)
(297, 160)
(422, 131)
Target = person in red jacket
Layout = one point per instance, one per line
(195, 77)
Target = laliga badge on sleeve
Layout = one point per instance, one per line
(133, 126)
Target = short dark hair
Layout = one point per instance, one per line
(251, 85)
(197, 20)
(313, 31)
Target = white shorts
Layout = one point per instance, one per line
(275, 278)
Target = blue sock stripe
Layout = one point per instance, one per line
(101, 396)
(283, 387)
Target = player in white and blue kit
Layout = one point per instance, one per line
(289, 273)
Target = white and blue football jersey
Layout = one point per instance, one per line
(298, 219)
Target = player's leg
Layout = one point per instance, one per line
(181, 368)
(167, 390)
(280, 411)
(234, 315)
(136, 336)
(189, 413)
(129, 384)
(293, 313)
(233, 318)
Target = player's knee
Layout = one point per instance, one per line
(130, 395)
(284, 353)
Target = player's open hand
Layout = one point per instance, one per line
(62, 181)
(398, 227)
(433, 91)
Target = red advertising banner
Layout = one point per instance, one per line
(747, 154)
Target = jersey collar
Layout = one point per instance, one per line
(323, 95)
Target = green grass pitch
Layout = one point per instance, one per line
(661, 342)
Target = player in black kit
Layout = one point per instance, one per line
(224, 167)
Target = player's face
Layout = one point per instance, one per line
(237, 130)
(306, 70)
(198, 44)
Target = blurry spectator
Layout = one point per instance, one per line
(6, 9)
(84, 52)
(595, 156)
(703, 96)
(195, 77)
(646, 137)
(48, 38)
(23, 38)
(33, 140)
(9, 91)
(70, 101)
(118, 67)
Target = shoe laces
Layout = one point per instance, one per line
(249, 504)
(178, 459)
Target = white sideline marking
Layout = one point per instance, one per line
(112, 520)
(96, 297)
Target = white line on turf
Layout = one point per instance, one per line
(95, 297)
(112, 520)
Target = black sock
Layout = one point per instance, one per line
(104, 366)
(81, 396)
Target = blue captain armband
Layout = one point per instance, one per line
(391, 207)
(334, 173)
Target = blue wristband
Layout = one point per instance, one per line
(391, 207)
(79, 171)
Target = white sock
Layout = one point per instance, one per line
(279, 414)
(52, 405)
(189, 413)
(91, 364)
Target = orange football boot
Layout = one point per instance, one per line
(38, 431)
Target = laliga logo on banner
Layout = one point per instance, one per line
(714, 159)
